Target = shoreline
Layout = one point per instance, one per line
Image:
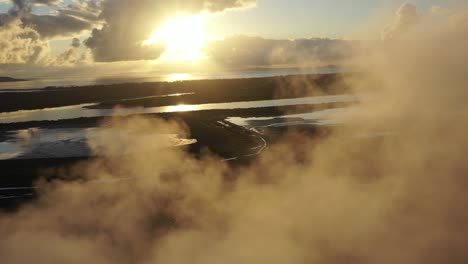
(232, 143)
(194, 92)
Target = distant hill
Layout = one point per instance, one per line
(9, 79)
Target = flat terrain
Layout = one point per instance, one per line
(10, 79)
(236, 144)
(196, 92)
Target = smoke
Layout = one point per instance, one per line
(337, 199)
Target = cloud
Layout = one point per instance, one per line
(88, 10)
(24, 34)
(71, 57)
(19, 9)
(221, 5)
(128, 23)
(50, 26)
(242, 51)
(74, 56)
(76, 43)
(405, 18)
(107, 47)
(67, 21)
(441, 11)
(47, 2)
(19, 44)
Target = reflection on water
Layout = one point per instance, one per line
(45, 143)
(164, 76)
(77, 111)
(182, 108)
(36, 143)
(175, 77)
(155, 96)
(43, 114)
(319, 118)
(324, 117)
(9, 150)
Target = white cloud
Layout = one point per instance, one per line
(405, 18)
(20, 44)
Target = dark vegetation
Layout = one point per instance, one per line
(9, 79)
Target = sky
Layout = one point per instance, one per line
(294, 18)
(225, 33)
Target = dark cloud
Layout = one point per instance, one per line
(86, 10)
(128, 23)
(108, 47)
(66, 21)
(4, 19)
(50, 26)
(120, 26)
(76, 43)
(47, 2)
(20, 8)
(255, 51)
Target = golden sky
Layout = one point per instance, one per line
(59, 34)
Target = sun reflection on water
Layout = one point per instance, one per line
(175, 77)
(182, 108)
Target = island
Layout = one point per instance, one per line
(10, 79)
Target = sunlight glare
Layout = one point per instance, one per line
(176, 77)
(182, 108)
(183, 38)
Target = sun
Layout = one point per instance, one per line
(183, 38)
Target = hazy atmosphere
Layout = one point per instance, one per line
(233, 131)
(98, 39)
